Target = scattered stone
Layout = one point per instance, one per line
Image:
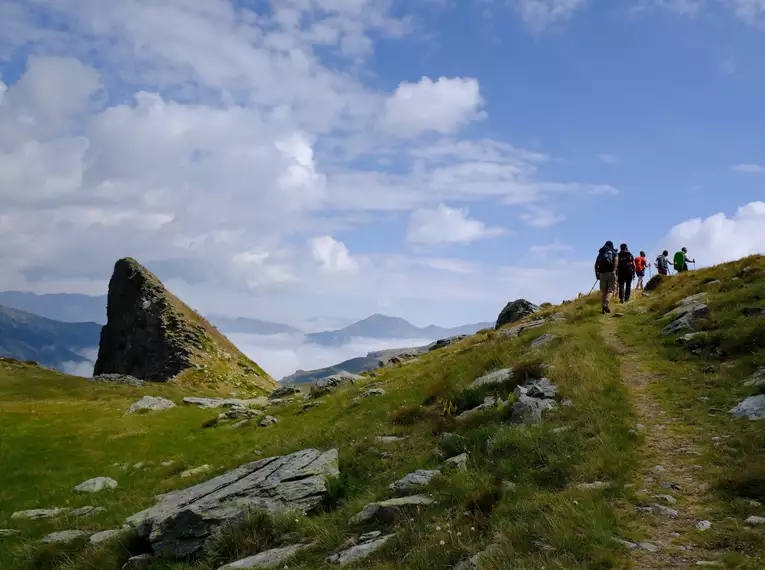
(240, 424)
(105, 535)
(239, 413)
(685, 317)
(36, 514)
(669, 499)
(456, 463)
(444, 342)
(660, 469)
(753, 312)
(629, 545)
(473, 562)
(594, 486)
(419, 478)
(529, 410)
(150, 403)
(657, 509)
(195, 471)
(753, 503)
(308, 405)
(369, 535)
(125, 379)
(543, 340)
(96, 485)
(509, 486)
(8, 532)
(213, 403)
(488, 403)
(542, 388)
(688, 338)
(373, 392)
(752, 408)
(140, 561)
(757, 380)
(284, 392)
(268, 421)
(167, 463)
(648, 547)
(708, 563)
(87, 511)
(387, 511)
(64, 536)
(281, 402)
(492, 378)
(268, 559)
(703, 525)
(180, 524)
(358, 552)
(322, 386)
(671, 485)
(389, 438)
(617, 316)
(755, 520)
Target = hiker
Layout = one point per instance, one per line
(605, 272)
(662, 263)
(681, 260)
(625, 269)
(640, 265)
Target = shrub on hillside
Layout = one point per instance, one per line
(407, 415)
(655, 282)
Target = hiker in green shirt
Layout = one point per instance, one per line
(681, 260)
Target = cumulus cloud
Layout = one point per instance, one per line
(332, 255)
(441, 106)
(447, 225)
(748, 168)
(541, 217)
(750, 11)
(720, 237)
(540, 15)
(555, 247)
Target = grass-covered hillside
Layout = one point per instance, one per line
(639, 465)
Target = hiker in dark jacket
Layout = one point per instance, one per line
(662, 263)
(605, 272)
(625, 269)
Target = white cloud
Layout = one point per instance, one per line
(541, 217)
(748, 168)
(447, 225)
(720, 238)
(441, 106)
(609, 158)
(750, 11)
(543, 14)
(332, 255)
(544, 250)
(681, 7)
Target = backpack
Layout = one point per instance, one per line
(662, 263)
(605, 262)
(626, 261)
(640, 263)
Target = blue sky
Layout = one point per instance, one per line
(301, 158)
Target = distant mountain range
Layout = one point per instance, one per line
(55, 344)
(250, 326)
(385, 327)
(65, 307)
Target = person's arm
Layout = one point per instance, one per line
(597, 273)
(616, 263)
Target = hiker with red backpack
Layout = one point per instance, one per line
(605, 272)
(662, 263)
(625, 270)
(640, 264)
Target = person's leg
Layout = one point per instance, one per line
(627, 288)
(604, 293)
(622, 282)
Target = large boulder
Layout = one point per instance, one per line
(752, 408)
(515, 311)
(182, 522)
(284, 392)
(150, 404)
(322, 386)
(152, 335)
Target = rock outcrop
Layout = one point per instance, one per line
(150, 404)
(369, 545)
(387, 511)
(325, 385)
(180, 524)
(515, 311)
(152, 335)
(686, 315)
(752, 408)
(273, 558)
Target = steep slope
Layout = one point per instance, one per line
(385, 327)
(154, 336)
(633, 461)
(51, 343)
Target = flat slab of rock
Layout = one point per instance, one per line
(473, 562)
(685, 317)
(179, 525)
(151, 403)
(488, 403)
(140, 561)
(268, 559)
(195, 471)
(96, 485)
(308, 406)
(87, 511)
(212, 403)
(37, 514)
(444, 342)
(542, 388)
(239, 413)
(492, 378)
(284, 392)
(755, 520)
(322, 386)
(752, 408)
(125, 379)
(105, 535)
(387, 511)
(419, 478)
(268, 421)
(64, 536)
(757, 379)
(373, 392)
(541, 341)
(456, 463)
(389, 438)
(359, 552)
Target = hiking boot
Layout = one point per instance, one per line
(606, 309)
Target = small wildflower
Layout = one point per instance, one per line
(459, 534)
(472, 528)
(438, 528)
(442, 543)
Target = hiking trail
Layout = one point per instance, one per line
(669, 469)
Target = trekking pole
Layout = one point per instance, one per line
(593, 287)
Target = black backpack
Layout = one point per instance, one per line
(606, 257)
(626, 262)
(662, 263)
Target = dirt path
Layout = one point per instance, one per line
(668, 475)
